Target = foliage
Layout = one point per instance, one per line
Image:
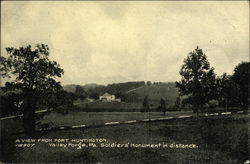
(33, 74)
(213, 104)
(178, 102)
(11, 102)
(62, 101)
(93, 95)
(241, 76)
(80, 93)
(163, 106)
(149, 83)
(198, 79)
(228, 91)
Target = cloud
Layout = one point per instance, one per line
(107, 42)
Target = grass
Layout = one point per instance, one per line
(221, 139)
(98, 106)
(97, 118)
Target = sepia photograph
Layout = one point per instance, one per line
(127, 82)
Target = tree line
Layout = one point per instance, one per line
(201, 88)
(200, 84)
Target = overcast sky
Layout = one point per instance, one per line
(108, 42)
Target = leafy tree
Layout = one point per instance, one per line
(228, 91)
(145, 104)
(198, 79)
(186, 103)
(149, 83)
(213, 104)
(62, 101)
(10, 102)
(123, 96)
(93, 94)
(163, 106)
(241, 76)
(80, 93)
(33, 74)
(178, 103)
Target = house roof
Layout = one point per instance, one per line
(106, 94)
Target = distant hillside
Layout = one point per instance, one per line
(72, 87)
(123, 87)
(91, 86)
(110, 88)
(133, 91)
(155, 92)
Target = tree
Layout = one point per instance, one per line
(198, 79)
(163, 106)
(178, 103)
(149, 83)
(10, 102)
(213, 104)
(33, 74)
(241, 76)
(80, 93)
(93, 94)
(123, 96)
(145, 104)
(228, 91)
(62, 101)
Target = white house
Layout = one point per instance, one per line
(107, 97)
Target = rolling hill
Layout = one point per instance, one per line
(135, 91)
(155, 92)
(72, 87)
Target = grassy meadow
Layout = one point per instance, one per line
(98, 118)
(222, 139)
(98, 106)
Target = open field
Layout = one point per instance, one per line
(221, 139)
(97, 118)
(98, 106)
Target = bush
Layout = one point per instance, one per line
(213, 104)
